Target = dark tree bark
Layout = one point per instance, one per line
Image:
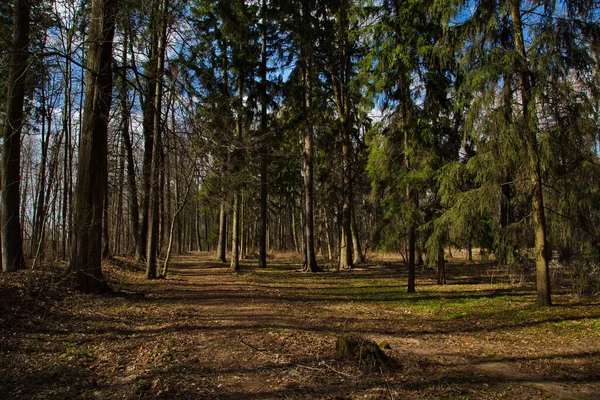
(39, 216)
(131, 180)
(153, 237)
(105, 233)
(441, 266)
(236, 164)
(85, 260)
(12, 245)
(262, 241)
(148, 111)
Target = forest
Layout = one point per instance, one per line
(324, 168)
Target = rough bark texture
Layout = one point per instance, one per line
(85, 260)
(12, 246)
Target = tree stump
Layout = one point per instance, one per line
(364, 351)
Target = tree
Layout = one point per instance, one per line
(511, 55)
(306, 68)
(86, 248)
(395, 70)
(264, 162)
(157, 148)
(12, 247)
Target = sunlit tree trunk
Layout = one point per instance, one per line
(85, 260)
(222, 242)
(535, 172)
(309, 233)
(237, 202)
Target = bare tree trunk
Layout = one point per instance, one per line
(294, 234)
(222, 243)
(105, 233)
(358, 255)
(262, 241)
(411, 198)
(148, 124)
(328, 237)
(12, 246)
(39, 216)
(197, 231)
(165, 269)
(340, 86)
(153, 216)
(441, 266)
(85, 261)
(118, 230)
(311, 261)
(236, 223)
(235, 236)
(131, 180)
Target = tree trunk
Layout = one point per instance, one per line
(535, 171)
(12, 245)
(165, 269)
(236, 161)
(262, 238)
(311, 261)
(441, 266)
(131, 180)
(39, 216)
(148, 120)
(105, 233)
(154, 209)
(197, 230)
(85, 261)
(222, 243)
(358, 255)
(340, 81)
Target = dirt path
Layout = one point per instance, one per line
(208, 333)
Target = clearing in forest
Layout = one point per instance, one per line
(206, 333)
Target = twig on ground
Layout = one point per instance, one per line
(338, 372)
(249, 345)
(387, 383)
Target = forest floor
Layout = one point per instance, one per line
(206, 333)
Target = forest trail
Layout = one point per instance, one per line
(208, 333)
